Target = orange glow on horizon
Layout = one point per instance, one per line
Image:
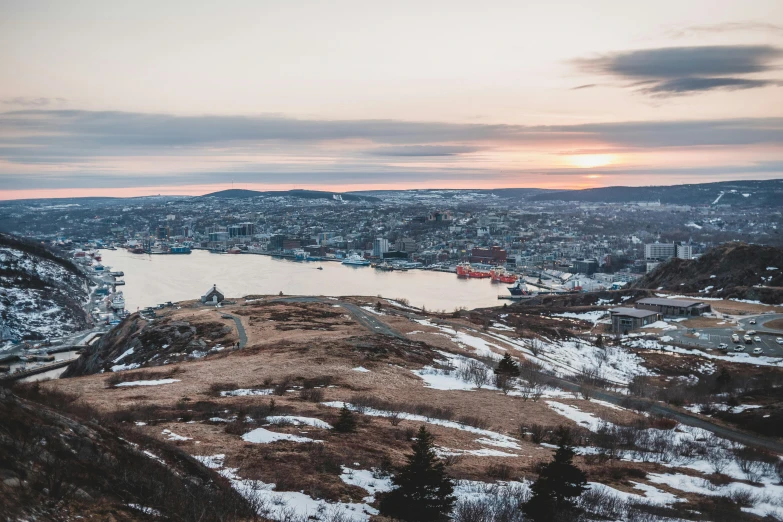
(589, 161)
(198, 190)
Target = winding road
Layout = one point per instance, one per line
(374, 324)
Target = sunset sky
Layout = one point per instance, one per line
(188, 97)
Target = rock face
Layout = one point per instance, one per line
(732, 270)
(41, 295)
(135, 343)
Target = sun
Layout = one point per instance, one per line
(589, 161)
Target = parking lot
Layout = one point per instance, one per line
(710, 338)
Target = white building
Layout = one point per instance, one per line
(379, 247)
(664, 251)
(659, 251)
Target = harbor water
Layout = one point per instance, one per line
(154, 279)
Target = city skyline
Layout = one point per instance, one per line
(183, 98)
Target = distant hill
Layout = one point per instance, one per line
(304, 194)
(731, 270)
(759, 193)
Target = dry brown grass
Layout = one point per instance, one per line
(304, 359)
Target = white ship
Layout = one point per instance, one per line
(356, 260)
(118, 302)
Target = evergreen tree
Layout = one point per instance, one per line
(554, 493)
(723, 380)
(424, 491)
(346, 422)
(508, 366)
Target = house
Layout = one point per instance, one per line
(213, 296)
(627, 319)
(673, 307)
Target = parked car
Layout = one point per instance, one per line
(757, 339)
(752, 321)
(779, 340)
(757, 350)
(723, 346)
(735, 338)
(751, 332)
(748, 339)
(739, 348)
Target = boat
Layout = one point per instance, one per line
(355, 260)
(501, 275)
(300, 255)
(234, 250)
(385, 267)
(320, 268)
(463, 270)
(520, 289)
(118, 302)
(179, 249)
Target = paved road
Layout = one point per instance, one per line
(710, 338)
(240, 329)
(644, 404)
(374, 324)
(363, 317)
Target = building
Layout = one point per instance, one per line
(406, 244)
(490, 256)
(162, 232)
(660, 251)
(673, 307)
(213, 296)
(585, 266)
(242, 230)
(684, 251)
(379, 247)
(627, 319)
(276, 242)
(664, 251)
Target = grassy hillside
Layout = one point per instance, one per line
(732, 270)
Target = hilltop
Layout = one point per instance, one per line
(731, 270)
(767, 193)
(264, 414)
(296, 193)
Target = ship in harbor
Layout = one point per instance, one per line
(468, 270)
(520, 289)
(501, 275)
(355, 260)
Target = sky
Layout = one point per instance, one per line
(189, 97)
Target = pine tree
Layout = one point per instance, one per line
(508, 366)
(559, 484)
(346, 422)
(424, 491)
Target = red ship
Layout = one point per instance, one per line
(466, 270)
(500, 275)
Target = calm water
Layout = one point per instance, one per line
(153, 279)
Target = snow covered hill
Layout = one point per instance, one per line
(41, 295)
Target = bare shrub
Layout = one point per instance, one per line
(504, 382)
(217, 387)
(537, 432)
(499, 471)
(396, 417)
(476, 422)
(452, 459)
(475, 372)
(311, 394)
